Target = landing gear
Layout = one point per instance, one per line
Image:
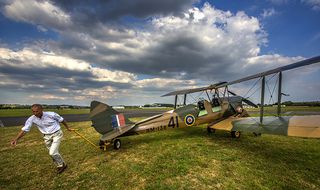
(235, 134)
(103, 145)
(210, 130)
(116, 144)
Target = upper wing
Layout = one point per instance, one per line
(305, 62)
(193, 90)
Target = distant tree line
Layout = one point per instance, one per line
(290, 103)
(158, 105)
(45, 106)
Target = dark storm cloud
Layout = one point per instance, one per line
(105, 11)
(174, 56)
(55, 78)
(177, 54)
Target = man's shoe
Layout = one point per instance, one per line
(62, 168)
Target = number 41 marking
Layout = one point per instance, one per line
(172, 123)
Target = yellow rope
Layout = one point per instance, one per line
(75, 130)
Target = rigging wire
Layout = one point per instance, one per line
(190, 95)
(252, 87)
(271, 94)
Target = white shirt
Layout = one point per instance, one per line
(47, 124)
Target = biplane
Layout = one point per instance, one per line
(222, 109)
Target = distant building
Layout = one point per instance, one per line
(10, 105)
(281, 106)
(118, 107)
(158, 105)
(63, 107)
(247, 106)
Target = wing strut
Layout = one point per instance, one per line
(208, 96)
(175, 101)
(279, 94)
(263, 82)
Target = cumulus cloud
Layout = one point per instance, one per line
(27, 59)
(169, 46)
(105, 11)
(42, 13)
(279, 2)
(125, 51)
(268, 13)
(315, 4)
(194, 42)
(48, 76)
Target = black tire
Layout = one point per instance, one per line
(210, 130)
(117, 144)
(235, 134)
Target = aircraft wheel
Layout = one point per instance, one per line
(235, 134)
(116, 144)
(210, 130)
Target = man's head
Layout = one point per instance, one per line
(37, 110)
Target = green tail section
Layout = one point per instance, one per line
(100, 115)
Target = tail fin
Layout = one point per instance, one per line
(104, 118)
(100, 115)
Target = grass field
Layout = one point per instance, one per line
(186, 158)
(28, 112)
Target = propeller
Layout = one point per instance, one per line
(245, 100)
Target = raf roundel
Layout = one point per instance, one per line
(189, 120)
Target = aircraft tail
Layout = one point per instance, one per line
(104, 118)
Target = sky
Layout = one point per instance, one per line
(125, 52)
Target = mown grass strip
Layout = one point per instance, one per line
(28, 112)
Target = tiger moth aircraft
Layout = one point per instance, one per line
(222, 109)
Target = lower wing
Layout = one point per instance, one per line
(298, 126)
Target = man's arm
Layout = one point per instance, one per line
(66, 125)
(15, 140)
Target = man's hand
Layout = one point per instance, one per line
(67, 126)
(15, 140)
